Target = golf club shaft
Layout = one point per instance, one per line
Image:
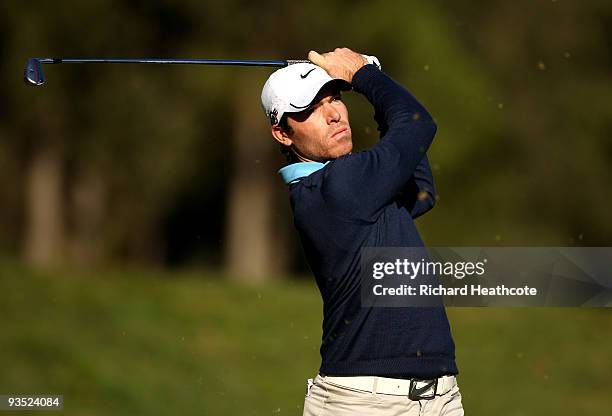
(34, 75)
(167, 61)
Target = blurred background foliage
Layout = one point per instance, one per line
(134, 167)
(174, 166)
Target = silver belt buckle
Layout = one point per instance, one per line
(423, 389)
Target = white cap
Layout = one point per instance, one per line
(293, 88)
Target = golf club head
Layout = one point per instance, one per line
(33, 73)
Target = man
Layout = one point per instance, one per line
(375, 360)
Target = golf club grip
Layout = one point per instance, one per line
(297, 61)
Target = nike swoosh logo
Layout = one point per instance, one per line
(418, 391)
(307, 73)
(298, 107)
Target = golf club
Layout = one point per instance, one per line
(34, 75)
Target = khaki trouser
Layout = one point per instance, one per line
(325, 399)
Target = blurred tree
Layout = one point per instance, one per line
(120, 177)
(250, 230)
(45, 233)
(547, 167)
(119, 136)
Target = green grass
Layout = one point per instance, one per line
(136, 343)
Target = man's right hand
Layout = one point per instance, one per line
(342, 63)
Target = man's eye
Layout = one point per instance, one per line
(337, 98)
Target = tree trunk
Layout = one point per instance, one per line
(254, 249)
(87, 213)
(45, 226)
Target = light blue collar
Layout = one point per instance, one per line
(296, 171)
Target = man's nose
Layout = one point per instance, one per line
(332, 113)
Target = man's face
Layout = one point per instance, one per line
(321, 132)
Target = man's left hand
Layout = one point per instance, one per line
(342, 63)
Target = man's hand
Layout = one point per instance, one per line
(342, 63)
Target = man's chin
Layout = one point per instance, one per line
(344, 150)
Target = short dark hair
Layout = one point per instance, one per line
(286, 150)
(284, 124)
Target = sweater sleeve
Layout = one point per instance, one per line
(419, 195)
(360, 185)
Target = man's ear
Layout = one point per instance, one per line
(281, 136)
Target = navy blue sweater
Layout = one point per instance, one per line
(369, 199)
